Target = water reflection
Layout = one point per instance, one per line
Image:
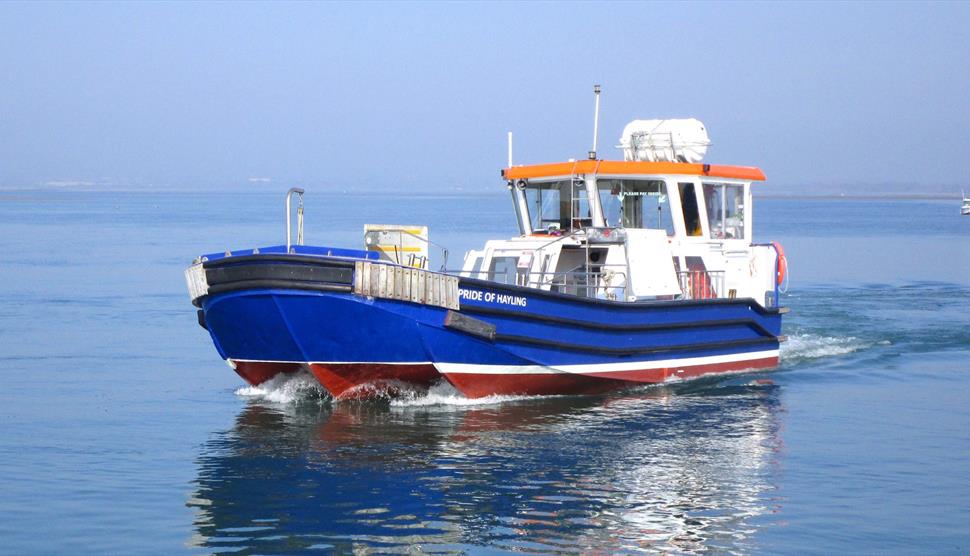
(686, 468)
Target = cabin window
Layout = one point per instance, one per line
(636, 204)
(725, 210)
(688, 201)
(503, 269)
(559, 205)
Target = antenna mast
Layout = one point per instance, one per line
(596, 121)
(510, 149)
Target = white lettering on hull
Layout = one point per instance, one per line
(492, 297)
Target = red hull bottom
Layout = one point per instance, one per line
(479, 385)
(367, 380)
(258, 372)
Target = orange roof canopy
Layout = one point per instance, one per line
(620, 167)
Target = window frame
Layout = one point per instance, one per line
(746, 224)
(673, 200)
(577, 188)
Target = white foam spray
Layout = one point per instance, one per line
(800, 347)
(286, 388)
(444, 394)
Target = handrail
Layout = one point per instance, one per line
(702, 284)
(538, 250)
(552, 276)
(299, 217)
(588, 281)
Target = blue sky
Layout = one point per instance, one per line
(421, 95)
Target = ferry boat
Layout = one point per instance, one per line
(965, 208)
(624, 272)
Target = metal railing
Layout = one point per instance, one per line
(602, 284)
(444, 252)
(701, 284)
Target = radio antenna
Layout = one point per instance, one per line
(510, 149)
(596, 121)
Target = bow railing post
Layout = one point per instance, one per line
(299, 223)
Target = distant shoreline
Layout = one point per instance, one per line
(5, 191)
(866, 197)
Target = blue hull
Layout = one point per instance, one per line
(304, 312)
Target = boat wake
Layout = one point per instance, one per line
(286, 388)
(803, 347)
(302, 387)
(445, 395)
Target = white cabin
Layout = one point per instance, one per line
(632, 231)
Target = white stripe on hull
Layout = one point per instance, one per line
(464, 368)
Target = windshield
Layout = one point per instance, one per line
(636, 204)
(558, 205)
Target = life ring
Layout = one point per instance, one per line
(782, 266)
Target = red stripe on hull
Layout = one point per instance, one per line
(474, 385)
(660, 375)
(479, 385)
(364, 380)
(258, 372)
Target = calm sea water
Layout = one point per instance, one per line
(123, 431)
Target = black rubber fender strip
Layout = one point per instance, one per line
(615, 326)
(274, 285)
(278, 258)
(276, 271)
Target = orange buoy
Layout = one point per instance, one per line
(782, 267)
